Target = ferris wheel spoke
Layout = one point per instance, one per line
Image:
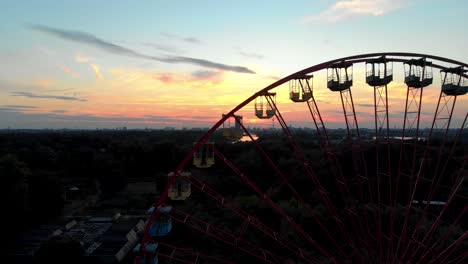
(223, 236)
(248, 219)
(434, 225)
(416, 78)
(297, 195)
(436, 179)
(306, 164)
(440, 241)
(185, 255)
(449, 250)
(278, 209)
(327, 148)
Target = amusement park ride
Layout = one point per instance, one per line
(365, 222)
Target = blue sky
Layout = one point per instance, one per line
(191, 58)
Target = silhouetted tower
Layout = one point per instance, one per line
(233, 133)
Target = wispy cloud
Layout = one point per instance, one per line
(97, 71)
(79, 58)
(205, 74)
(348, 9)
(43, 96)
(177, 37)
(20, 106)
(70, 72)
(164, 48)
(365, 105)
(193, 80)
(252, 55)
(92, 40)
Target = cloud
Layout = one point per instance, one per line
(366, 105)
(207, 64)
(97, 71)
(79, 58)
(204, 74)
(164, 48)
(70, 72)
(195, 79)
(251, 55)
(86, 38)
(186, 39)
(20, 106)
(348, 9)
(31, 95)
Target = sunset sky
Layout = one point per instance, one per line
(170, 63)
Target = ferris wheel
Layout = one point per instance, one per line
(392, 193)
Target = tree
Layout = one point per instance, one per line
(60, 249)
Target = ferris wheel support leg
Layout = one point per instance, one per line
(437, 221)
(459, 177)
(251, 220)
(223, 236)
(359, 163)
(436, 178)
(329, 151)
(449, 250)
(295, 193)
(278, 209)
(300, 155)
(194, 256)
(414, 101)
(381, 121)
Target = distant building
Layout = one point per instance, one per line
(106, 240)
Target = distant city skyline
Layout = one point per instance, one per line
(156, 64)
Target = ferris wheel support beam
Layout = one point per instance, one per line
(300, 155)
(410, 123)
(381, 120)
(297, 195)
(434, 225)
(449, 250)
(446, 235)
(459, 178)
(184, 251)
(223, 236)
(278, 209)
(329, 151)
(359, 163)
(436, 177)
(247, 218)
